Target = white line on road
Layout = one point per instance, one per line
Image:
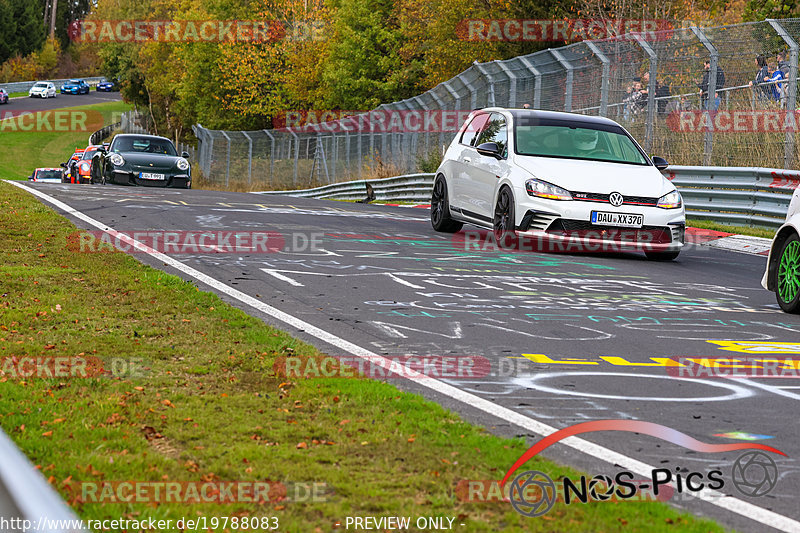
(729, 503)
(281, 277)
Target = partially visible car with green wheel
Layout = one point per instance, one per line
(782, 275)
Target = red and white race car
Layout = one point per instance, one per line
(47, 175)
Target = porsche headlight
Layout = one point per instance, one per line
(543, 189)
(117, 160)
(85, 166)
(182, 164)
(670, 200)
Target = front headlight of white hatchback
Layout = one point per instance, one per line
(543, 189)
(117, 160)
(182, 164)
(670, 200)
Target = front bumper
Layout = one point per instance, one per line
(569, 222)
(171, 180)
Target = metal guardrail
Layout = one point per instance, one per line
(25, 86)
(745, 196)
(26, 495)
(407, 188)
(98, 136)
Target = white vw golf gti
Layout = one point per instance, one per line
(562, 176)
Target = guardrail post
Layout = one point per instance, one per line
(605, 76)
(228, 163)
(791, 96)
(473, 93)
(296, 155)
(271, 158)
(359, 141)
(537, 82)
(512, 83)
(490, 102)
(454, 94)
(711, 95)
(249, 158)
(569, 68)
(334, 157)
(210, 152)
(347, 151)
(440, 103)
(651, 91)
(424, 109)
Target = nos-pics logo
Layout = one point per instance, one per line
(533, 493)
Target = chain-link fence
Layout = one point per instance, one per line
(685, 94)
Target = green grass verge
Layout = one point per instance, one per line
(32, 149)
(211, 406)
(742, 230)
(16, 94)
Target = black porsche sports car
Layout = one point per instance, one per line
(134, 159)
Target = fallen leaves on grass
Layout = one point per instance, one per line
(150, 433)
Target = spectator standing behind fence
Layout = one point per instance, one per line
(704, 84)
(635, 100)
(764, 91)
(783, 65)
(778, 90)
(661, 92)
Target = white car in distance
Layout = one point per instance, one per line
(560, 176)
(43, 89)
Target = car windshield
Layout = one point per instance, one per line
(576, 140)
(75, 81)
(42, 85)
(144, 145)
(88, 154)
(44, 174)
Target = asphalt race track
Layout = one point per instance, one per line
(25, 104)
(568, 338)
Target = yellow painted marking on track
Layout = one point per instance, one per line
(171, 202)
(541, 358)
(224, 204)
(659, 361)
(758, 346)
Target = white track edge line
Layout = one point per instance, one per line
(602, 453)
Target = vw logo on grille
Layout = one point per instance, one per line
(616, 199)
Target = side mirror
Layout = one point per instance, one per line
(63, 165)
(489, 149)
(103, 148)
(185, 154)
(660, 162)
